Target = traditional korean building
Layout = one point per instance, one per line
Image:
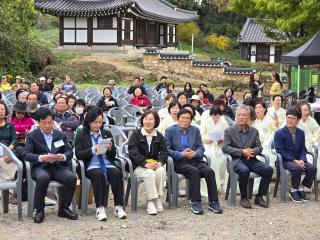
(256, 46)
(137, 23)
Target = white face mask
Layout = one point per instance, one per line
(79, 110)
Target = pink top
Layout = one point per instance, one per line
(22, 126)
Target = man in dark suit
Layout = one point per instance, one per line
(50, 154)
(242, 143)
(185, 146)
(289, 141)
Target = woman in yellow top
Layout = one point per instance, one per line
(276, 87)
(4, 85)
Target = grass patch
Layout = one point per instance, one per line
(48, 36)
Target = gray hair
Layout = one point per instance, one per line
(22, 94)
(241, 107)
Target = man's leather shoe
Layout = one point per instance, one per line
(260, 201)
(67, 213)
(244, 202)
(39, 216)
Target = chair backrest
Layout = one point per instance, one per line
(158, 102)
(81, 94)
(5, 151)
(133, 110)
(157, 108)
(229, 120)
(119, 116)
(121, 102)
(127, 98)
(118, 135)
(206, 106)
(137, 123)
(151, 93)
(94, 100)
(234, 108)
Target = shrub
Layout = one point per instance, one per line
(185, 31)
(218, 42)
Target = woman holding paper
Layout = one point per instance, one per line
(212, 137)
(148, 153)
(94, 146)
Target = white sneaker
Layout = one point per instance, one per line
(151, 208)
(119, 212)
(159, 205)
(101, 214)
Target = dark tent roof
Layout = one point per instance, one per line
(158, 10)
(307, 54)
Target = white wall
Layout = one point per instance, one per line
(105, 36)
(253, 53)
(272, 53)
(69, 36)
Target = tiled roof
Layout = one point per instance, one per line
(149, 9)
(253, 32)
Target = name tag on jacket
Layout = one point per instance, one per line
(58, 144)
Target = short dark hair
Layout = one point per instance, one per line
(219, 101)
(136, 78)
(173, 104)
(66, 99)
(134, 91)
(249, 102)
(105, 89)
(92, 114)
(192, 107)
(203, 85)
(274, 97)
(215, 110)
(32, 94)
(302, 103)
(35, 83)
(264, 105)
(26, 82)
(232, 91)
(181, 94)
(294, 111)
(163, 77)
(184, 111)
(5, 107)
(44, 112)
(170, 95)
(155, 115)
(71, 97)
(81, 102)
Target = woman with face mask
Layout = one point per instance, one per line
(79, 108)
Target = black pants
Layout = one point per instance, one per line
(296, 173)
(61, 174)
(194, 170)
(98, 181)
(244, 167)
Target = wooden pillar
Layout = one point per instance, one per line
(157, 34)
(119, 31)
(134, 31)
(146, 39)
(61, 35)
(165, 41)
(90, 31)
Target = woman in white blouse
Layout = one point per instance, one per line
(173, 109)
(163, 112)
(212, 137)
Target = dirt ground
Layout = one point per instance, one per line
(280, 221)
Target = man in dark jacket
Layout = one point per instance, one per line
(136, 83)
(49, 152)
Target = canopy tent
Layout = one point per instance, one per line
(307, 54)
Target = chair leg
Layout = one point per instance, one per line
(128, 191)
(233, 195)
(134, 194)
(226, 197)
(85, 187)
(19, 200)
(107, 194)
(316, 188)
(250, 187)
(175, 191)
(283, 188)
(5, 201)
(276, 186)
(31, 189)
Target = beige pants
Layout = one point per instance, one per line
(7, 171)
(153, 181)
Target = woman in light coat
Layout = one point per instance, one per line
(212, 137)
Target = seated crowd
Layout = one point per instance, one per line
(190, 127)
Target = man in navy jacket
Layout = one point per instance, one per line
(49, 153)
(289, 141)
(185, 146)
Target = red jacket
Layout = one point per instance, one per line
(141, 101)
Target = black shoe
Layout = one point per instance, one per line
(244, 202)
(295, 197)
(215, 207)
(67, 213)
(303, 196)
(196, 208)
(39, 216)
(260, 201)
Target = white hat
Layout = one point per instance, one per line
(195, 97)
(112, 82)
(42, 79)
